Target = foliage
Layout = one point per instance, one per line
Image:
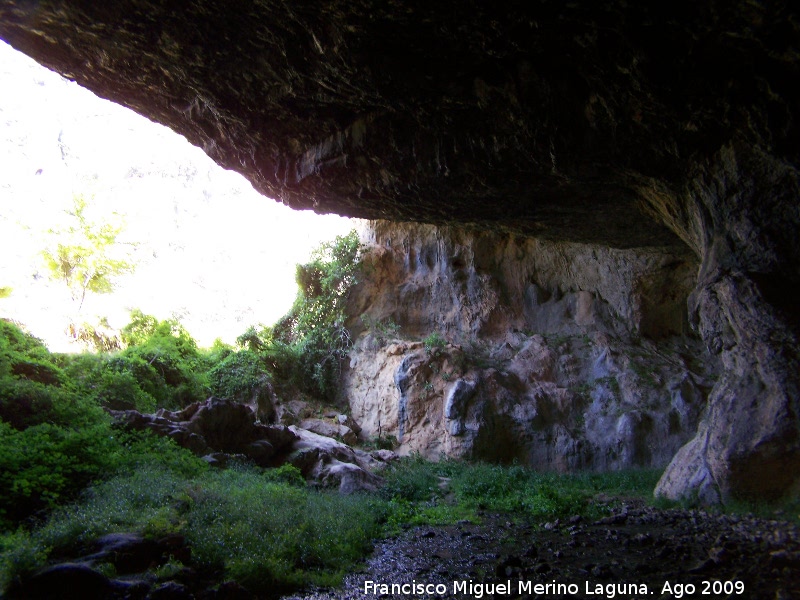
(507, 488)
(43, 463)
(414, 479)
(382, 330)
(434, 344)
(305, 348)
(100, 337)
(107, 381)
(32, 389)
(5, 291)
(237, 375)
(253, 339)
(16, 343)
(85, 254)
(161, 367)
(264, 528)
(164, 360)
(274, 535)
(54, 436)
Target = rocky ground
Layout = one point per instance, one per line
(673, 553)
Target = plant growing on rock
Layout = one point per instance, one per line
(237, 375)
(434, 344)
(382, 330)
(306, 347)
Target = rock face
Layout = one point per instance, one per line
(614, 124)
(562, 356)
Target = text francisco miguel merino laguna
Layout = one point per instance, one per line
(479, 590)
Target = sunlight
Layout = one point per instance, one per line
(210, 250)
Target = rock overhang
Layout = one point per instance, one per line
(615, 124)
(548, 119)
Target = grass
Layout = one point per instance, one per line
(264, 530)
(539, 496)
(268, 534)
(269, 531)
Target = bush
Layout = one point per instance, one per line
(108, 381)
(164, 360)
(305, 348)
(24, 356)
(44, 464)
(273, 536)
(413, 479)
(25, 403)
(14, 340)
(55, 438)
(434, 344)
(412, 486)
(237, 376)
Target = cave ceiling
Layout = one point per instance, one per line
(547, 118)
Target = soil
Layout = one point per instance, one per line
(637, 552)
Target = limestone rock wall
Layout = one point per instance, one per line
(561, 356)
(741, 214)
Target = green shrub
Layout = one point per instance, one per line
(110, 381)
(14, 339)
(237, 375)
(24, 356)
(413, 486)
(218, 352)
(434, 344)
(382, 331)
(164, 360)
(315, 326)
(44, 464)
(413, 479)
(20, 555)
(286, 473)
(55, 439)
(25, 403)
(305, 348)
(140, 329)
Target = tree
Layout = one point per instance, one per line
(85, 254)
(314, 329)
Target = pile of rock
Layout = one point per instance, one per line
(220, 430)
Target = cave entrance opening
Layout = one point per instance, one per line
(207, 248)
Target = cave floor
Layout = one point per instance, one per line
(668, 551)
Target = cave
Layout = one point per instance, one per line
(664, 134)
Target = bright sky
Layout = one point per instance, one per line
(212, 251)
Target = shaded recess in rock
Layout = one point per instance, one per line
(625, 125)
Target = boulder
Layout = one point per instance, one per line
(215, 429)
(331, 463)
(330, 429)
(221, 430)
(67, 581)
